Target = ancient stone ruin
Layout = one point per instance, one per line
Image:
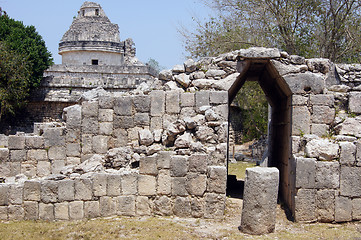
(161, 149)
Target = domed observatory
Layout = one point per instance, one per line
(93, 40)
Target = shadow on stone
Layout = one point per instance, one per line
(235, 187)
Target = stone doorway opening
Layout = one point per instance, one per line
(278, 96)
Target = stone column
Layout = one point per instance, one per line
(260, 200)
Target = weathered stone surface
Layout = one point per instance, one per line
(164, 159)
(164, 184)
(31, 210)
(72, 150)
(43, 168)
(214, 205)
(130, 184)
(354, 102)
(123, 106)
(15, 212)
(205, 134)
(147, 185)
(325, 204)
(91, 209)
(32, 191)
(182, 207)
(4, 194)
(300, 83)
(322, 149)
(16, 142)
(202, 99)
(322, 65)
(57, 153)
(323, 114)
(196, 184)
(66, 190)
(305, 172)
(347, 153)
(90, 108)
(145, 137)
(17, 155)
(15, 194)
(124, 122)
(54, 137)
(301, 120)
(260, 200)
(148, 165)
(259, 52)
(107, 206)
(327, 175)
(49, 192)
(157, 103)
(218, 97)
(76, 210)
(284, 69)
(100, 184)
(106, 115)
(46, 211)
(57, 166)
(105, 128)
(165, 75)
(4, 155)
(323, 99)
(187, 99)
(100, 144)
(358, 153)
(183, 79)
(305, 205)
(299, 100)
(343, 209)
(114, 187)
(125, 205)
(217, 179)
(198, 163)
(179, 186)
(178, 166)
(183, 141)
(350, 181)
(172, 101)
(83, 189)
(142, 205)
(4, 213)
(226, 83)
(90, 125)
(319, 130)
(141, 119)
(204, 83)
(34, 142)
(351, 126)
(61, 211)
(163, 206)
(197, 207)
(73, 116)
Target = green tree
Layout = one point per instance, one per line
(23, 59)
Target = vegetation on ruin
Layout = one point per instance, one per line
(23, 59)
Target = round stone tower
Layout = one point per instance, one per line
(92, 39)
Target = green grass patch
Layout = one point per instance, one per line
(239, 169)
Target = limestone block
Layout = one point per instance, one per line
(196, 184)
(5, 169)
(100, 144)
(157, 103)
(307, 82)
(325, 205)
(164, 159)
(156, 123)
(16, 142)
(147, 185)
(162, 206)
(205, 134)
(31, 210)
(105, 115)
(351, 127)
(141, 119)
(114, 187)
(218, 97)
(15, 212)
(73, 135)
(214, 205)
(260, 200)
(3, 213)
(76, 210)
(299, 100)
(354, 102)
(91, 209)
(178, 166)
(322, 149)
(49, 191)
(32, 191)
(148, 165)
(305, 172)
(356, 209)
(350, 181)
(90, 125)
(165, 75)
(172, 101)
(15, 168)
(305, 205)
(57, 166)
(3, 141)
(319, 129)
(4, 155)
(183, 141)
(217, 179)
(16, 194)
(72, 161)
(121, 137)
(141, 103)
(73, 117)
(301, 120)
(327, 175)
(54, 137)
(100, 184)
(125, 205)
(133, 133)
(202, 99)
(347, 153)
(222, 112)
(107, 206)
(17, 155)
(183, 79)
(157, 134)
(197, 207)
(106, 102)
(323, 114)
(123, 106)
(37, 155)
(130, 184)
(83, 189)
(34, 142)
(343, 209)
(28, 169)
(46, 211)
(187, 99)
(57, 153)
(123, 122)
(182, 207)
(73, 149)
(323, 99)
(164, 186)
(142, 205)
(179, 186)
(358, 153)
(90, 108)
(4, 194)
(145, 137)
(66, 190)
(61, 211)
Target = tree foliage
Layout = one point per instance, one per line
(311, 28)
(23, 59)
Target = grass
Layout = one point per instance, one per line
(239, 169)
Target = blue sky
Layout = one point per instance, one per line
(151, 24)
